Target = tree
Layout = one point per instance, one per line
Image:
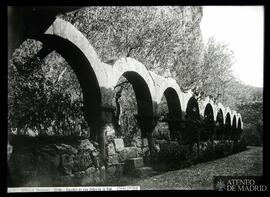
(44, 96)
(155, 36)
(252, 114)
(216, 69)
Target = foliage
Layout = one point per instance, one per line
(160, 37)
(252, 114)
(216, 70)
(44, 97)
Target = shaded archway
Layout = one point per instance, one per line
(193, 126)
(209, 123)
(173, 113)
(234, 127)
(239, 125)
(143, 99)
(85, 74)
(192, 111)
(220, 126)
(227, 127)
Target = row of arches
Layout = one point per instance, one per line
(98, 79)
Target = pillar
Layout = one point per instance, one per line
(101, 127)
(147, 125)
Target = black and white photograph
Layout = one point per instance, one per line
(104, 98)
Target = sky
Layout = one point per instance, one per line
(242, 28)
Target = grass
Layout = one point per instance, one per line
(200, 176)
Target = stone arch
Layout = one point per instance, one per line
(85, 74)
(234, 127)
(228, 120)
(174, 116)
(173, 102)
(209, 113)
(220, 117)
(65, 39)
(142, 92)
(239, 123)
(234, 124)
(209, 122)
(192, 111)
(203, 104)
(67, 31)
(129, 65)
(143, 87)
(228, 125)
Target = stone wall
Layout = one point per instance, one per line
(171, 155)
(77, 163)
(57, 164)
(118, 154)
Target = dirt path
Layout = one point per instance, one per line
(200, 176)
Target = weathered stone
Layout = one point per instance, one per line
(90, 171)
(109, 130)
(132, 152)
(66, 164)
(145, 142)
(110, 149)
(145, 150)
(82, 161)
(113, 159)
(119, 144)
(137, 142)
(65, 148)
(86, 145)
(128, 153)
(132, 164)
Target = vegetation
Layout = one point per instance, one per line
(45, 97)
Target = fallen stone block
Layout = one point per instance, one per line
(128, 153)
(119, 144)
(110, 149)
(132, 164)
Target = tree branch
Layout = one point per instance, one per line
(120, 84)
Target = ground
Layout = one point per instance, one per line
(200, 176)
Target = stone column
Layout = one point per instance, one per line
(104, 127)
(147, 125)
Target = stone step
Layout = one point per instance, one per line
(143, 172)
(132, 164)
